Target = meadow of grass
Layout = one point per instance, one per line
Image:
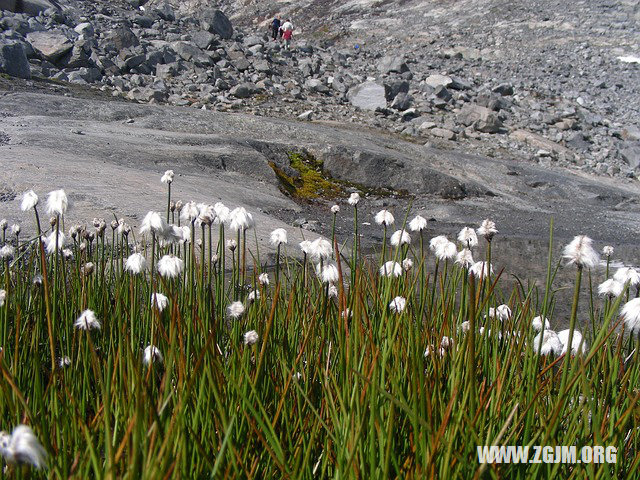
(172, 352)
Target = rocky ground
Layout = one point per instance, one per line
(550, 82)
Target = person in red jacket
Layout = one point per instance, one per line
(287, 33)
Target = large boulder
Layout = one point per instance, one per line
(50, 45)
(215, 21)
(30, 7)
(191, 53)
(368, 96)
(13, 61)
(123, 37)
(393, 64)
(481, 118)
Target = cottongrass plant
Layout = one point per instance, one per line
(161, 364)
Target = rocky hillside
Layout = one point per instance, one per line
(546, 81)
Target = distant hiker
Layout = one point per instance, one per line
(275, 27)
(287, 33)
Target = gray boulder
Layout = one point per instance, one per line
(437, 80)
(244, 90)
(395, 86)
(13, 61)
(316, 85)
(50, 45)
(203, 39)
(122, 38)
(368, 96)
(402, 101)
(631, 154)
(481, 118)
(215, 21)
(392, 64)
(30, 7)
(85, 29)
(191, 53)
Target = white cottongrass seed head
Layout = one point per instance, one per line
(464, 258)
(151, 354)
(407, 264)
(136, 263)
(222, 212)
(3, 297)
(354, 198)
(87, 321)
(611, 287)
(437, 242)
(631, 315)
(7, 251)
(503, 313)
(399, 238)
(57, 202)
(240, 219)
(329, 273)
(170, 266)
(398, 304)
(446, 251)
(159, 301)
(305, 246)
(189, 212)
(481, 269)
(320, 250)
(551, 344)
(384, 217)
(167, 177)
(278, 237)
(417, 223)
(22, 447)
(607, 251)
(50, 242)
(577, 343)
(263, 278)
(29, 200)
(251, 337)
(335, 209)
(580, 252)
(467, 236)
(153, 223)
(627, 274)
(232, 244)
(235, 309)
(537, 323)
(487, 229)
(15, 229)
(391, 269)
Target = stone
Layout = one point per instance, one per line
(191, 53)
(316, 85)
(50, 45)
(630, 153)
(481, 118)
(30, 7)
(442, 93)
(368, 96)
(438, 80)
(204, 39)
(123, 38)
(305, 115)
(443, 133)
(252, 40)
(84, 28)
(395, 86)
(215, 21)
(402, 101)
(165, 12)
(13, 61)
(504, 89)
(537, 141)
(244, 90)
(144, 21)
(392, 64)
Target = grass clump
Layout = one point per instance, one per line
(394, 366)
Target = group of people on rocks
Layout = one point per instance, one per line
(282, 30)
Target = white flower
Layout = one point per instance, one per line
(580, 252)
(278, 237)
(29, 200)
(7, 251)
(4, 224)
(503, 312)
(170, 266)
(50, 242)
(153, 223)
(391, 269)
(235, 310)
(631, 314)
(335, 209)
(87, 321)
(417, 224)
(354, 198)
(481, 269)
(151, 354)
(333, 291)
(251, 337)
(305, 246)
(611, 287)
(159, 301)
(189, 212)
(346, 313)
(537, 322)
(263, 279)
(57, 202)
(253, 296)
(384, 217)
(65, 361)
(436, 242)
(446, 251)
(88, 268)
(67, 254)
(136, 263)
(464, 326)
(446, 342)
(3, 297)
(487, 229)
(551, 344)
(607, 250)
(15, 229)
(407, 264)
(627, 274)
(320, 249)
(468, 237)
(232, 244)
(22, 447)
(329, 273)
(240, 219)
(400, 237)
(222, 212)
(206, 214)
(398, 304)
(563, 336)
(167, 177)
(464, 258)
